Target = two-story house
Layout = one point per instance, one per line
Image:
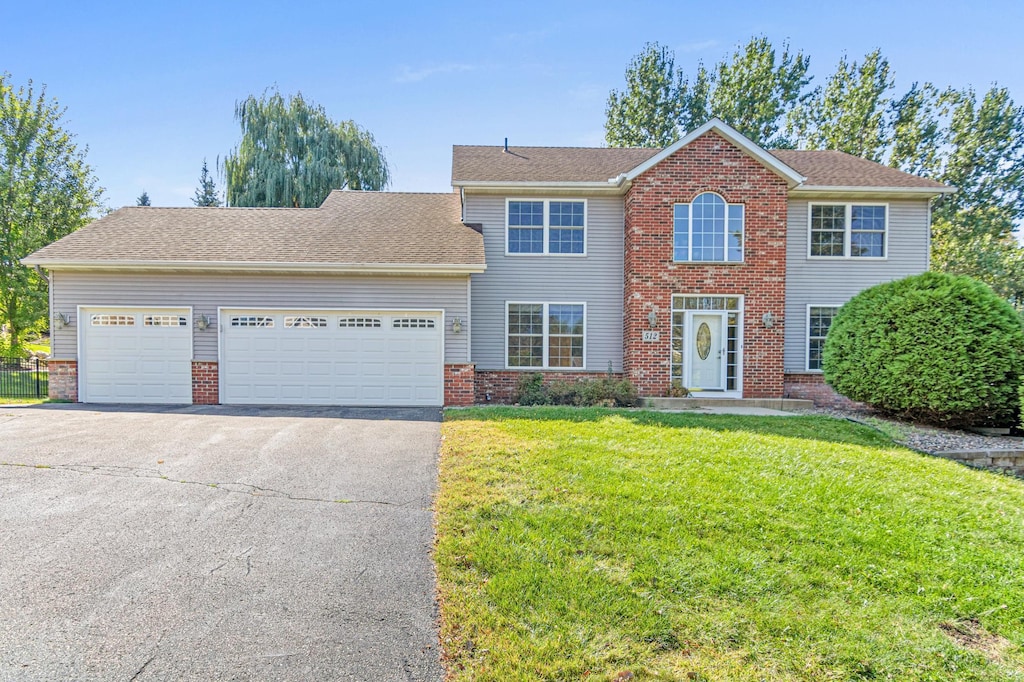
(712, 265)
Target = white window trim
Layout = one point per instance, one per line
(546, 337)
(547, 226)
(741, 353)
(848, 230)
(807, 332)
(689, 228)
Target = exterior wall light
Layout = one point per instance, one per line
(203, 323)
(456, 325)
(61, 320)
(768, 320)
(652, 319)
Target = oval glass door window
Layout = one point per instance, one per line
(703, 340)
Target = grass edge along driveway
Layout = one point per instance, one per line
(583, 543)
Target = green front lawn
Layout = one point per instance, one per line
(579, 544)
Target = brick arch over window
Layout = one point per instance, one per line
(708, 229)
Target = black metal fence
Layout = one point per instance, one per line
(23, 378)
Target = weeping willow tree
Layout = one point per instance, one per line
(293, 154)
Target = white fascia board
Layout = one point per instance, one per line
(340, 268)
(857, 189)
(610, 186)
(728, 132)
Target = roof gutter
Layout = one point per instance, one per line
(337, 268)
(607, 186)
(860, 189)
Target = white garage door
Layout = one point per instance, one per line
(135, 356)
(311, 357)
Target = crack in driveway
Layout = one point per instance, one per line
(237, 488)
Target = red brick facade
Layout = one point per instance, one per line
(499, 387)
(459, 384)
(708, 164)
(205, 383)
(63, 380)
(813, 387)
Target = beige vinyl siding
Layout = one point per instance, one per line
(206, 292)
(835, 281)
(594, 279)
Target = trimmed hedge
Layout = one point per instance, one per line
(606, 392)
(934, 347)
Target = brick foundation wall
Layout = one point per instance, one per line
(63, 380)
(459, 384)
(501, 385)
(205, 384)
(813, 387)
(708, 164)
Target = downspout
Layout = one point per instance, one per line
(462, 203)
(928, 253)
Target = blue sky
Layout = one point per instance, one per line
(151, 87)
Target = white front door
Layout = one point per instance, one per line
(706, 351)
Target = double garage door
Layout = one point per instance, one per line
(267, 357)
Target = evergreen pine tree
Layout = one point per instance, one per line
(206, 193)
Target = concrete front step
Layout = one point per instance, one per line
(784, 404)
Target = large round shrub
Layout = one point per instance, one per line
(934, 347)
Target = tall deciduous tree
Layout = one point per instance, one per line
(973, 229)
(755, 91)
(206, 193)
(916, 131)
(47, 190)
(849, 113)
(658, 104)
(143, 199)
(293, 154)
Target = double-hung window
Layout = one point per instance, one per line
(848, 230)
(546, 226)
(545, 335)
(708, 230)
(819, 319)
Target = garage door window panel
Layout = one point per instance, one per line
(112, 320)
(164, 321)
(360, 322)
(252, 321)
(304, 322)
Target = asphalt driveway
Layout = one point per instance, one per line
(217, 543)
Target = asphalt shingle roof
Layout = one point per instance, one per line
(544, 164)
(827, 168)
(599, 164)
(350, 228)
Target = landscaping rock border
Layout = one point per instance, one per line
(997, 453)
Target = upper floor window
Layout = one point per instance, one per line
(708, 230)
(546, 226)
(848, 231)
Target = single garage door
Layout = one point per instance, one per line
(141, 355)
(318, 357)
